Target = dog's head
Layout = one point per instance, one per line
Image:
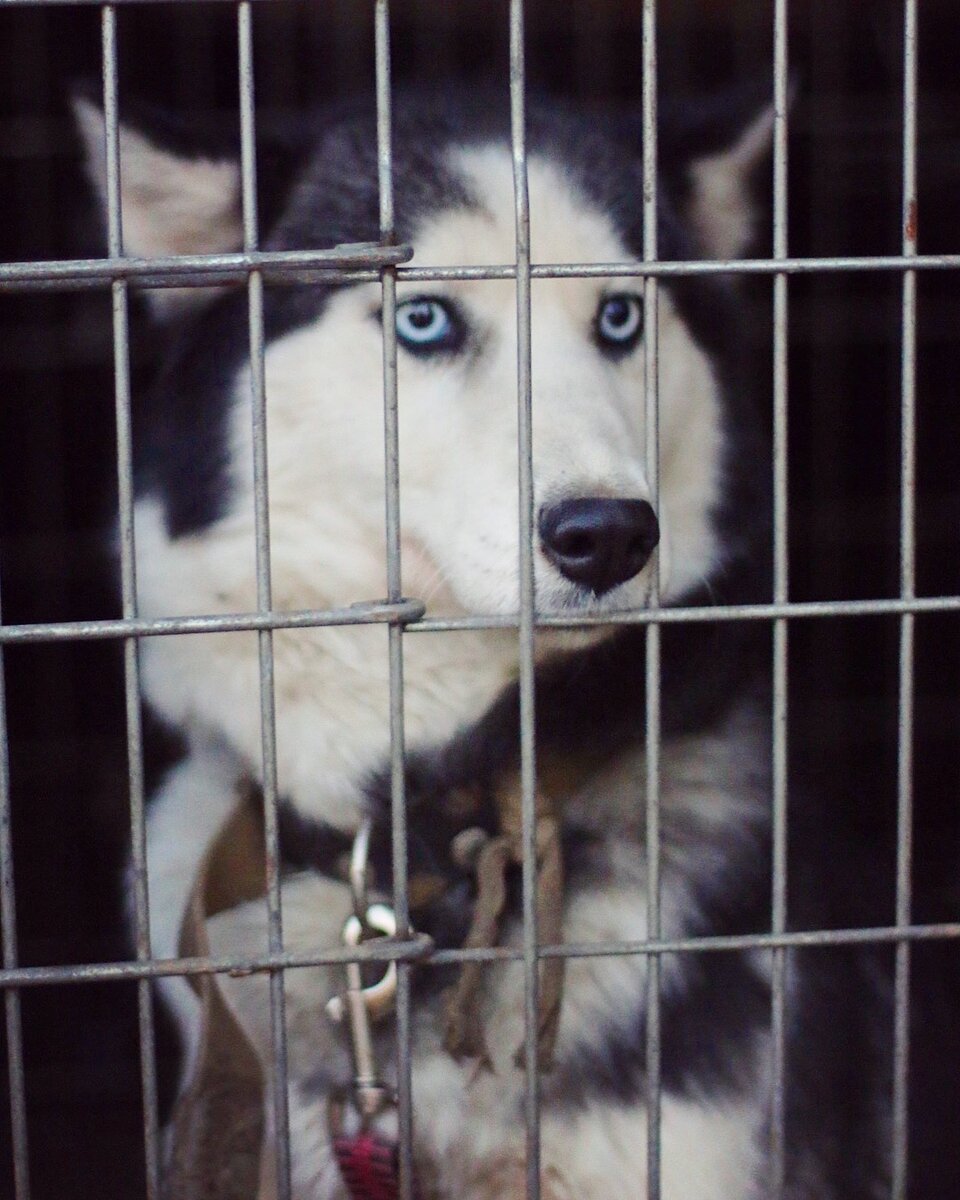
(601, 523)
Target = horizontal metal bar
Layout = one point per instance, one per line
(410, 614)
(203, 270)
(652, 270)
(798, 939)
(378, 950)
(114, 3)
(333, 266)
(421, 951)
(377, 612)
(689, 616)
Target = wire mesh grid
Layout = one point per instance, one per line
(385, 261)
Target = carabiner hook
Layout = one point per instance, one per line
(360, 1006)
(379, 997)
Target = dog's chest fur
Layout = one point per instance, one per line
(713, 792)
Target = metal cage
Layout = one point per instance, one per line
(404, 617)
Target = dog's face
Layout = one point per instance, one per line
(457, 365)
(600, 531)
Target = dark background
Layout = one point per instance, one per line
(57, 442)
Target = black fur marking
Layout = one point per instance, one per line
(838, 1067)
(307, 844)
(181, 448)
(708, 1028)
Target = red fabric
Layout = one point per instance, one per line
(368, 1164)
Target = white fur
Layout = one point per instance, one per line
(170, 205)
(185, 815)
(721, 209)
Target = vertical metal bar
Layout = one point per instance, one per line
(8, 926)
(652, 671)
(394, 590)
(528, 750)
(268, 726)
(901, 1045)
(128, 583)
(780, 593)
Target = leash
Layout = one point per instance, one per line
(490, 858)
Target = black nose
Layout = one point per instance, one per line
(599, 542)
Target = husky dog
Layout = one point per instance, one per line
(601, 532)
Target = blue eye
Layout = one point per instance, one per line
(426, 326)
(619, 321)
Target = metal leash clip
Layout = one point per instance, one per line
(362, 1117)
(361, 1006)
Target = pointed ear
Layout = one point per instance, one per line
(171, 203)
(722, 205)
